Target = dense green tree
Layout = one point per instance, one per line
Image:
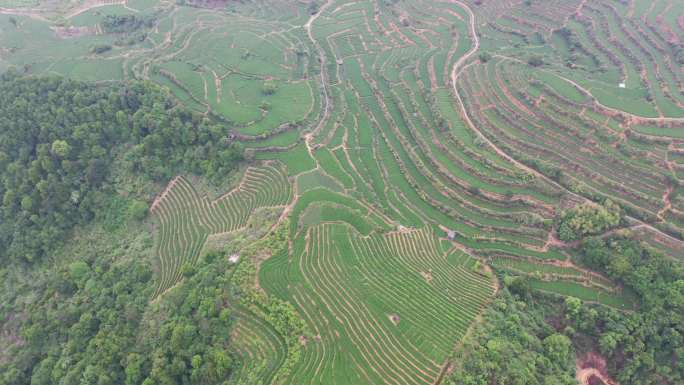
(138, 210)
(645, 346)
(60, 139)
(588, 219)
(515, 345)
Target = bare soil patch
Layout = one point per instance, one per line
(591, 370)
(427, 276)
(72, 32)
(394, 318)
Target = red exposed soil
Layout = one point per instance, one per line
(591, 369)
(594, 380)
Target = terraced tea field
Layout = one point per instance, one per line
(424, 159)
(419, 149)
(383, 308)
(185, 218)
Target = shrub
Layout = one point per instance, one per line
(588, 219)
(535, 61)
(138, 210)
(99, 49)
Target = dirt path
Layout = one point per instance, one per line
(667, 203)
(88, 5)
(456, 72)
(31, 13)
(553, 241)
(308, 138)
(321, 58)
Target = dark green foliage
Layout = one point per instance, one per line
(588, 219)
(571, 38)
(530, 342)
(644, 347)
(519, 285)
(138, 210)
(269, 88)
(535, 61)
(485, 57)
(83, 320)
(312, 8)
(126, 23)
(93, 323)
(99, 49)
(191, 345)
(59, 139)
(132, 29)
(515, 345)
(679, 53)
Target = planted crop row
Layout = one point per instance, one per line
(185, 218)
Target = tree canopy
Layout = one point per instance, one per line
(60, 138)
(588, 219)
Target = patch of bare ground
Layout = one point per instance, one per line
(553, 241)
(667, 203)
(73, 32)
(9, 337)
(591, 370)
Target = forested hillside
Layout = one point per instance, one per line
(59, 140)
(76, 159)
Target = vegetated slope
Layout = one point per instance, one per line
(405, 158)
(435, 133)
(77, 282)
(60, 138)
(627, 53)
(574, 86)
(260, 348)
(185, 218)
(239, 61)
(382, 308)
